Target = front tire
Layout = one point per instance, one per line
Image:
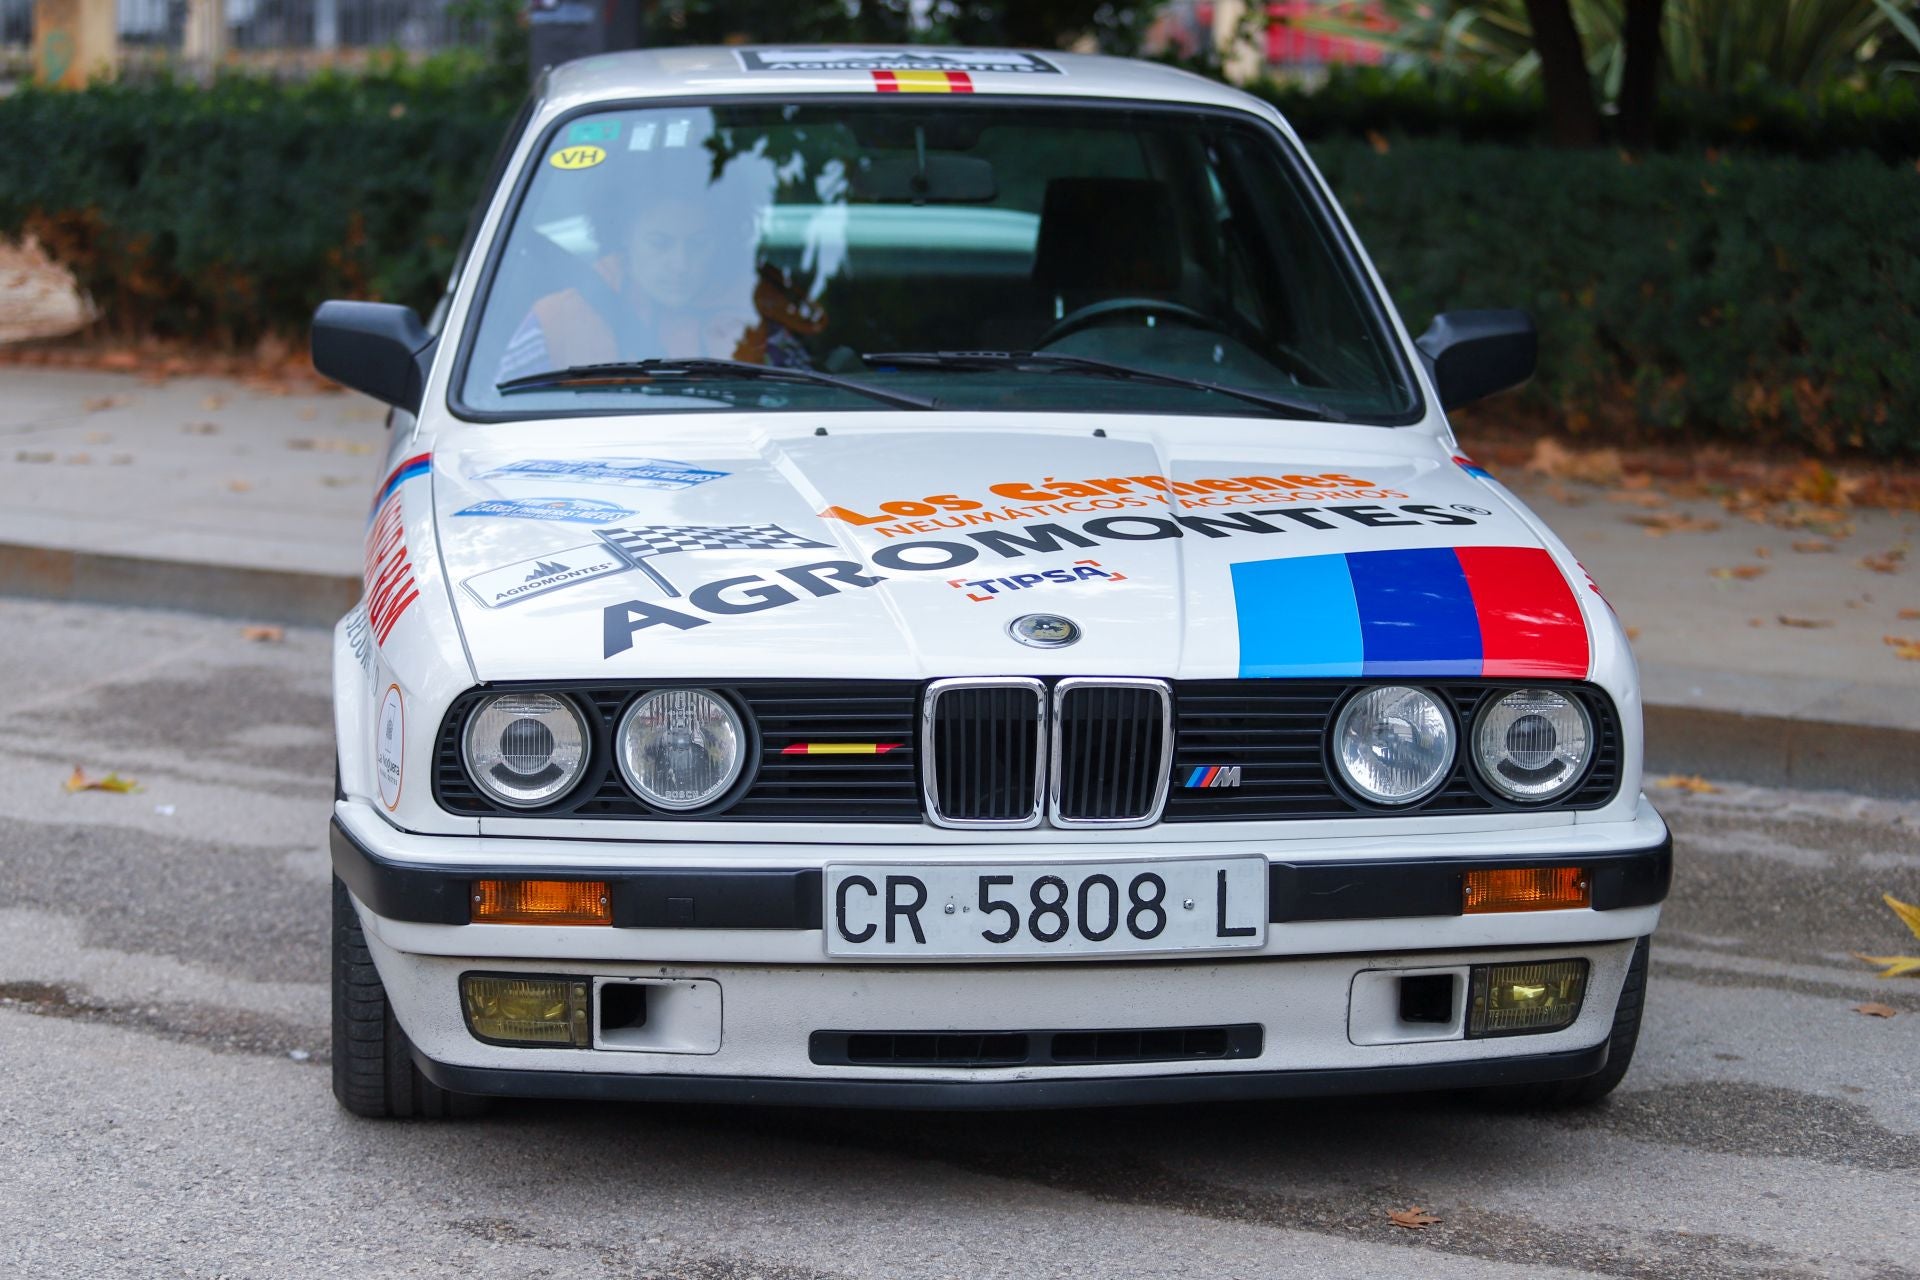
(373, 1071)
(1587, 1090)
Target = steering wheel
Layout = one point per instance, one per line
(1096, 312)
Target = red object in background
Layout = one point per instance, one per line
(1289, 45)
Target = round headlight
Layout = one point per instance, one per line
(524, 749)
(1393, 744)
(1533, 744)
(681, 748)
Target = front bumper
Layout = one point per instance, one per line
(746, 929)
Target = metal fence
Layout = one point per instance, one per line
(160, 26)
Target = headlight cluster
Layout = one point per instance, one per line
(679, 749)
(1395, 745)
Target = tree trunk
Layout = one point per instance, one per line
(1571, 110)
(1640, 80)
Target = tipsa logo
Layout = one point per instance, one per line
(576, 157)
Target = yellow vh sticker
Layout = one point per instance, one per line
(576, 157)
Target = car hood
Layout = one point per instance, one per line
(907, 546)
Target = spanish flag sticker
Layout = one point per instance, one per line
(839, 748)
(576, 157)
(922, 82)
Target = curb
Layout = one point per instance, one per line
(1783, 751)
(291, 596)
(1764, 750)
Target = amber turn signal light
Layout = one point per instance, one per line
(541, 902)
(1527, 889)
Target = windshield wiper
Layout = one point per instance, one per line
(1043, 360)
(621, 371)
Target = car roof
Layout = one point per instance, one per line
(785, 70)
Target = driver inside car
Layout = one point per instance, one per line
(674, 276)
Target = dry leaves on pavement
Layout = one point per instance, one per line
(1414, 1219)
(1909, 615)
(1660, 524)
(1692, 784)
(1897, 965)
(1741, 572)
(1903, 647)
(1557, 462)
(79, 781)
(264, 635)
(1812, 546)
(1809, 623)
(1886, 562)
(1874, 1009)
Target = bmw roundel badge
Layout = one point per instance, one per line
(1044, 630)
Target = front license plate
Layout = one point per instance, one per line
(1088, 908)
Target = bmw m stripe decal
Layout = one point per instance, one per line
(1438, 611)
(415, 466)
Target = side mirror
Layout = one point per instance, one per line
(374, 347)
(1473, 354)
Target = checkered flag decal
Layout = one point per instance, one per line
(639, 543)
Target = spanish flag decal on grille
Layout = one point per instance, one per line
(839, 748)
(922, 82)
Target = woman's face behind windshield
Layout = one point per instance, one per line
(812, 237)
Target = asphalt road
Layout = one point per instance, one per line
(164, 1104)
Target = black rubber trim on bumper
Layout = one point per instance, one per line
(1012, 1095)
(706, 898)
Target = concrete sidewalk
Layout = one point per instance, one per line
(203, 494)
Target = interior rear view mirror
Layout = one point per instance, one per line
(1473, 354)
(936, 179)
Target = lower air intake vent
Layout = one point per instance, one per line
(1032, 1048)
(981, 747)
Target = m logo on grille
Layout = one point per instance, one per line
(641, 542)
(1219, 775)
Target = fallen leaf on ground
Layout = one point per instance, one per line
(1557, 462)
(1756, 622)
(1744, 572)
(1414, 1219)
(200, 428)
(1812, 546)
(96, 404)
(1894, 966)
(213, 401)
(1660, 524)
(1903, 647)
(79, 781)
(1633, 633)
(1874, 1009)
(32, 455)
(1692, 784)
(1909, 615)
(239, 486)
(1761, 553)
(1886, 562)
(265, 635)
(1809, 623)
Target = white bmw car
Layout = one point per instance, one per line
(937, 578)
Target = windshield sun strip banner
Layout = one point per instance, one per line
(1503, 612)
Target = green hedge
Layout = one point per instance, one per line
(212, 214)
(1743, 296)
(1748, 297)
(1883, 117)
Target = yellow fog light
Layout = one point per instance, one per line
(541, 902)
(1526, 889)
(509, 1009)
(1523, 999)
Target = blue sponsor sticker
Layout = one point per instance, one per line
(638, 473)
(570, 510)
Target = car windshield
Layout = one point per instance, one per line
(1033, 256)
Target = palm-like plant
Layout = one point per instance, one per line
(1709, 45)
